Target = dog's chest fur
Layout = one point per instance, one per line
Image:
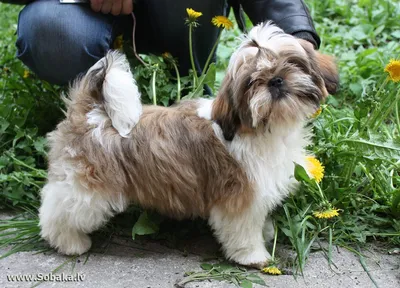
(268, 158)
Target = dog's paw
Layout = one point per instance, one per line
(79, 245)
(72, 244)
(256, 259)
(261, 265)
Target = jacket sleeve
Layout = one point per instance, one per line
(290, 15)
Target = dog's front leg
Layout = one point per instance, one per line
(268, 230)
(241, 234)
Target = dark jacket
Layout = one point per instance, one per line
(291, 15)
(22, 2)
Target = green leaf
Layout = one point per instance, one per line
(356, 88)
(235, 281)
(255, 279)
(374, 148)
(223, 266)
(396, 203)
(3, 126)
(208, 78)
(246, 284)
(300, 173)
(358, 32)
(20, 133)
(396, 34)
(379, 30)
(3, 161)
(3, 178)
(206, 266)
(144, 226)
(40, 145)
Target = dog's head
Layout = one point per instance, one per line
(273, 79)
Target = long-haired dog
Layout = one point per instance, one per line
(229, 159)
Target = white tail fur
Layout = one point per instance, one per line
(120, 93)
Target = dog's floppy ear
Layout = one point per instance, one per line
(231, 107)
(224, 113)
(325, 65)
(329, 72)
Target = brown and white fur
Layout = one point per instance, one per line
(230, 160)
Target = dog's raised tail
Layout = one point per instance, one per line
(111, 83)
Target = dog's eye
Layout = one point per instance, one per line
(299, 62)
(249, 83)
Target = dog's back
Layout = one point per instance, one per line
(170, 159)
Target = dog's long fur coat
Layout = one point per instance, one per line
(229, 159)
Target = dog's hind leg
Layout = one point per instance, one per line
(241, 234)
(69, 212)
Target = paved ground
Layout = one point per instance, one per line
(125, 263)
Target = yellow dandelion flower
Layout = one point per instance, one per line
(315, 168)
(118, 42)
(26, 74)
(166, 55)
(222, 22)
(327, 214)
(192, 14)
(316, 113)
(272, 270)
(168, 58)
(393, 68)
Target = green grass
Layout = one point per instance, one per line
(357, 135)
(25, 103)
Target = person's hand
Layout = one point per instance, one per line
(115, 7)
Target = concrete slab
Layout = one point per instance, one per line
(121, 262)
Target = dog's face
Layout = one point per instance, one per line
(273, 79)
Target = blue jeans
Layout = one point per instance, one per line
(59, 41)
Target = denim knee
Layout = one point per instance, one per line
(59, 41)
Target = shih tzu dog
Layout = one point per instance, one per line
(229, 159)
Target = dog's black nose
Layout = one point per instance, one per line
(275, 82)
